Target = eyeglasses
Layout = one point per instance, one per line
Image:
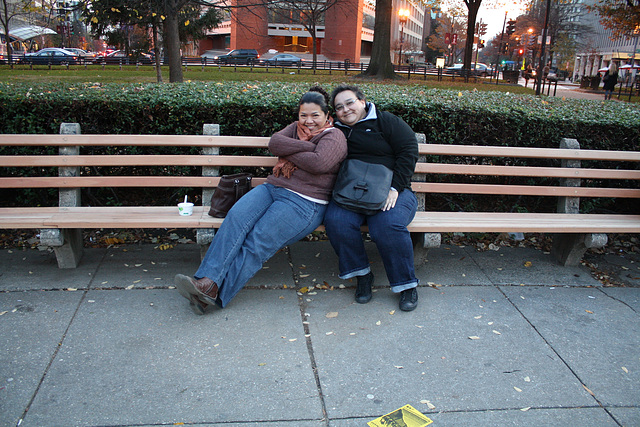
(348, 103)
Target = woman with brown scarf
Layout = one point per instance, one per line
(290, 205)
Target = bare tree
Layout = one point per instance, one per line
(10, 10)
(308, 13)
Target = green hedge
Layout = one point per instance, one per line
(445, 116)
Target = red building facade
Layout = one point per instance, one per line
(252, 27)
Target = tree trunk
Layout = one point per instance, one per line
(156, 52)
(380, 66)
(473, 6)
(172, 44)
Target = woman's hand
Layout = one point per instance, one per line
(391, 199)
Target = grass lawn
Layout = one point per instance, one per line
(147, 74)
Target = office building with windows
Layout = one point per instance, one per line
(344, 32)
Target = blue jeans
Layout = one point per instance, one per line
(388, 229)
(262, 222)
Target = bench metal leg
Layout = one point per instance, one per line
(67, 245)
(568, 249)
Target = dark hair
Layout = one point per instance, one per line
(341, 88)
(316, 95)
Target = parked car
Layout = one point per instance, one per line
(284, 59)
(118, 56)
(51, 55)
(478, 69)
(238, 56)
(82, 54)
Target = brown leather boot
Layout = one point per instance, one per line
(200, 293)
(208, 288)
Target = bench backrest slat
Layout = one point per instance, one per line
(529, 171)
(114, 181)
(523, 190)
(527, 152)
(56, 140)
(136, 160)
(198, 181)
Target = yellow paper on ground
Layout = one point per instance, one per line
(407, 416)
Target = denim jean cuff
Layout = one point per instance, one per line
(399, 288)
(355, 273)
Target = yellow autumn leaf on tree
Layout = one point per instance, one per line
(162, 17)
(94, 20)
(186, 23)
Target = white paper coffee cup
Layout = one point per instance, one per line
(185, 209)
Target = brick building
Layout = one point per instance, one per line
(345, 32)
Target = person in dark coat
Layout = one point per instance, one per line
(379, 137)
(610, 80)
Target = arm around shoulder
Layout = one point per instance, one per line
(286, 142)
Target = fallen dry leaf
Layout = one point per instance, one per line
(331, 314)
(525, 409)
(519, 390)
(473, 337)
(528, 264)
(626, 371)
(589, 391)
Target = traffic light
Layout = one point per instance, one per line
(481, 44)
(520, 52)
(505, 49)
(511, 27)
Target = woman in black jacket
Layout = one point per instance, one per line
(379, 137)
(610, 80)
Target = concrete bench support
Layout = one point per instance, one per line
(568, 249)
(204, 236)
(67, 243)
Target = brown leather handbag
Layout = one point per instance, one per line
(229, 190)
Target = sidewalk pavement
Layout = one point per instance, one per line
(566, 89)
(503, 337)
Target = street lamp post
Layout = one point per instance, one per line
(403, 15)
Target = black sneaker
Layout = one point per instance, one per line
(409, 299)
(363, 288)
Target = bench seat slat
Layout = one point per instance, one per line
(524, 222)
(167, 216)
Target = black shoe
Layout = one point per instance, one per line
(363, 288)
(409, 299)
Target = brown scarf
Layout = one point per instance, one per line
(286, 167)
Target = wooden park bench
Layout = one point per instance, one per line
(61, 226)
